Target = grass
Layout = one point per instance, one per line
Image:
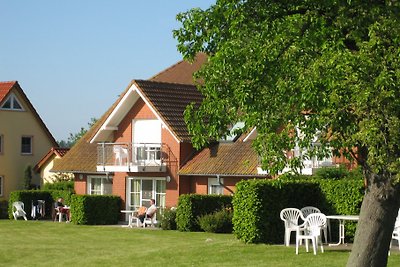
(44, 243)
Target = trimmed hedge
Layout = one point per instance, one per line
(257, 204)
(27, 196)
(192, 206)
(168, 219)
(217, 222)
(95, 209)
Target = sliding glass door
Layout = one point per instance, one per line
(141, 190)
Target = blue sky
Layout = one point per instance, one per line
(73, 58)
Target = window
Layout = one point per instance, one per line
(1, 185)
(141, 190)
(1, 144)
(215, 187)
(99, 185)
(12, 103)
(26, 145)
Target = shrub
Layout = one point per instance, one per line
(61, 185)
(168, 220)
(28, 196)
(257, 204)
(217, 222)
(191, 206)
(3, 209)
(95, 209)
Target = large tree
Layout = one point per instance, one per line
(301, 70)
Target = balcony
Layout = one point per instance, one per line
(129, 157)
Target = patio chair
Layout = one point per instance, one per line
(121, 153)
(311, 230)
(152, 221)
(290, 217)
(396, 232)
(309, 210)
(18, 210)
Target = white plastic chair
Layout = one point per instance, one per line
(311, 230)
(309, 210)
(18, 210)
(121, 153)
(290, 217)
(152, 221)
(396, 232)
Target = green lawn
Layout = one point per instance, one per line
(44, 243)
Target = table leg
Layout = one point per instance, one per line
(130, 220)
(341, 234)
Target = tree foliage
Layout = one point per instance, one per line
(74, 137)
(306, 72)
(286, 65)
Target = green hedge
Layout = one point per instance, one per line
(257, 204)
(192, 206)
(61, 185)
(95, 209)
(27, 196)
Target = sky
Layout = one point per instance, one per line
(74, 58)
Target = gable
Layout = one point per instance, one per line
(11, 103)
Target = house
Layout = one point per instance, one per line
(141, 149)
(44, 166)
(24, 138)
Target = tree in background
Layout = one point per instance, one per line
(28, 177)
(306, 72)
(73, 138)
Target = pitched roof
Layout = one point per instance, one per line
(54, 151)
(181, 72)
(169, 101)
(5, 89)
(227, 159)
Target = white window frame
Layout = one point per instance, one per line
(89, 184)
(13, 99)
(31, 145)
(154, 194)
(1, 185)
(214, 184)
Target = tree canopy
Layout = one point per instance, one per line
(301, 70)
(307, 65)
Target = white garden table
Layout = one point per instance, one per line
(341, 219)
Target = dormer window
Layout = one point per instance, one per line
(12, 103)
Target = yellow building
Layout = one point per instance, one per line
(24, 138)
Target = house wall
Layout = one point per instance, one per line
(199, 184)
(80, 185)
(14, 125)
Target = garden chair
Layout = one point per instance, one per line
(18, 210)
(121, 153)
(290, 217)
(311, 230)
(396, 232)
(152, 221)
(309, 210)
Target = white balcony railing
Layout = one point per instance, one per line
(130, 157)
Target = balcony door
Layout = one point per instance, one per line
(146, 139)
(140, 190)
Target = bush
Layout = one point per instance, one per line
(95, 209)
(257, 204)
(61, 185)
(3, 209)
(168, 220)
(191, 206)
(28, 196)
(217, 222)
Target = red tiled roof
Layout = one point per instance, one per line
(181, 72)
(5, 88)
(236, 159)
(169, 100)
(53, 151)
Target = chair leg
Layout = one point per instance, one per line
(314, 245)
(297, 245)
(306, 245)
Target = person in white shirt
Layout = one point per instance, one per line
(149, 212)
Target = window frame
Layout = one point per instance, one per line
(12, 98)
(101, 178)
(160, 197)
(31, 145)
(213, 183)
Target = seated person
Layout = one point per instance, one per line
(60, 207)
(149, 212)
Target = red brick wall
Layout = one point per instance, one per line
(118, 187)
(80, 185)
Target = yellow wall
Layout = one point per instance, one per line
(47, 176)
(14, 125)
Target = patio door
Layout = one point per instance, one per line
(140, 190)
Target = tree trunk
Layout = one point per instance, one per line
(374, 230)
